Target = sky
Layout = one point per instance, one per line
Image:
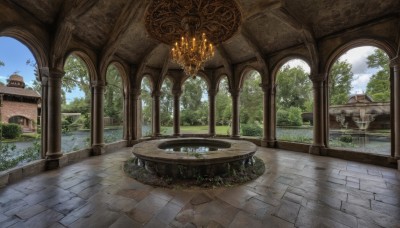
(14, 55)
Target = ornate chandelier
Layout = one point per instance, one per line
(192, 51)
(192, 28)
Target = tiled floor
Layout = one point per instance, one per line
(296, 190)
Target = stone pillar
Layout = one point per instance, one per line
(395, 64)
(211, 112)
(156, 113)
(134, 101)
(235, 114)
(54, 153)
(44, 75)
(98, 118)
(269, 139)
(177, 94)
(126, 121)
(318, 146)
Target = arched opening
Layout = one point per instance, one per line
(194, 107)
(20, 104)
(359, 101)
(166, 107)
(294, 102)
(76, 105)
(146, 107)
(251, 105)
(223, 109)
(113, 106)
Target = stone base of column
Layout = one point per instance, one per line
(268, 144)
(235, 136)
(51, 164)
(176, 135)
(157, 135)
(317, 150)
(98, 149)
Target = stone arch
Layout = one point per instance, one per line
(283, 61)
(122, 73)
(200, 74)
(91, 67)
(34, 44)
(388, 48)
(245, 73)
(220, 78)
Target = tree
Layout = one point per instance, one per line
(251, 105)
(294, 88)
(378, 86)
(340, 79)
(166, 103)
(76, 76)
(113, 95)
(194, 109)
(2, 63)
(223, 104)
(145, 96)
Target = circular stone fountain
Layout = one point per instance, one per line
(190, 158)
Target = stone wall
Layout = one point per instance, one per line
(12, 108)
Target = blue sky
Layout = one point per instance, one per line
(14, 54)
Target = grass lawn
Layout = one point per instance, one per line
(220, 130)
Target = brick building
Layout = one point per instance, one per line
(18, 104)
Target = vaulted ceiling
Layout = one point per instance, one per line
(268, 26)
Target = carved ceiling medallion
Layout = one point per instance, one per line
(219, 19)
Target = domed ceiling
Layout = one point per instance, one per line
(266, 27)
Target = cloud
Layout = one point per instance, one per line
(359, 84)
(357, 57)
(298, 62)
(3, 79)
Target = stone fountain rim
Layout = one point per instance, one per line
(150, 151)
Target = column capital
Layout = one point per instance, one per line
(212, 92)
(177, 92)
(318, 78)
(155, 94)
(235, 92)
(267, 87)
(56, 73)
(98, 84)
(395, 62)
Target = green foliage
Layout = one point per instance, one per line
(147, 102)
(166, 103)
(378, 86)
(346, 138)
(251, 130)
(113, 102)
(251, 105)
(9, 159)
(76, 75)
(78, 105)
(194, 110)
(10, 131)
(223, 113)
(290, 117)
(340, 79)
(294, 88)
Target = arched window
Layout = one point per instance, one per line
(75, 107)
(166, 107)
(294, 102)
(113, 106)
(251, 106)
(194, 107)
(146, 110)
(19, 104)
(359, 101)
(223, 110)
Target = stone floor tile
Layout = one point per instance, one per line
(369, 215)
(30, 211)
(124, 221)
(10, 221)
(308, 218)
(237, 196)
(57, 199)
(392, 211)
(242, 219)
(140, 216)
(217, 210)
(333, 214)
(70, 205)
(364, 224)
(44, 219)
(293, 197)
(288, 211)
(258, 208)
(387, 199)
(100, 218)
(168, 213)
(351, 184)
(359, 201)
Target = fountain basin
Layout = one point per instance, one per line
(227, 156)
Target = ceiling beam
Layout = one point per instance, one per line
(226, 60)
(132, 12)
(71, 11)
(307, 35)
(256, 49)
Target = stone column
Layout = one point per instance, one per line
(177, 94)
(44, 75)
(54, 153)
(395, 64)
(134, 101)
(156, 113)
(235, 114)
(211, 112)
(318, 145)
(98, 118)
(269, 139)
(126, 120)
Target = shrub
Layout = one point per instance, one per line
(251, 130)
(11, 131)
(282, 118)
(346, 138)
(291, 117)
